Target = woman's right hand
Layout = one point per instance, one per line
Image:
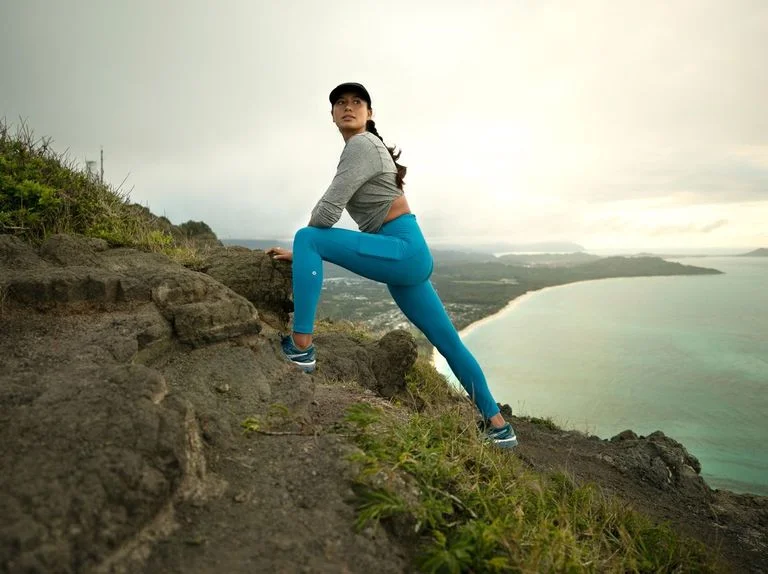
(280, 253)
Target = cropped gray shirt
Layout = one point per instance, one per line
(365, 183)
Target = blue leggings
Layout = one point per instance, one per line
(398, 256)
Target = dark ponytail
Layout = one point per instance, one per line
(370, 126)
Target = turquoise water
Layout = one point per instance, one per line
(687, 355)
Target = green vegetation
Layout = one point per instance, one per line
(197, 230)
(356, 331)
(251, 424)
(428, 389)
(278, 414)
(548, 259)
(42, 193)
(537, 277)
(469, 507)
(546, 422)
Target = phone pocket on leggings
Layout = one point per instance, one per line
(380, 246)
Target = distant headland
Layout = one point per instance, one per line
(761, 252)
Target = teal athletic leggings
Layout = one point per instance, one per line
(398, 256)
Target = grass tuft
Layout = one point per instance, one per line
(546, 422)
(251, 424)
(428, 388)
(470, 507)
(356, 331)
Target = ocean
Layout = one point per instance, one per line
(687, 355)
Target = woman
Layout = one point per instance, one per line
(389, 248)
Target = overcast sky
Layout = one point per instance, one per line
(608, 123)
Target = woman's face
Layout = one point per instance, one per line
(350, 112)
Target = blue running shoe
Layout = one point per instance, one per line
(503, 437)
(303, 358)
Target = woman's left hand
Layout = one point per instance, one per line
(280, 253)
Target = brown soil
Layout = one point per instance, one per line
(288, 507)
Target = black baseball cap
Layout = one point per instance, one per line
(352, 87)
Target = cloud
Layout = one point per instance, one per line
(682, 181)
(714, 225)
(686, 228)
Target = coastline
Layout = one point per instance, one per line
(516, 300)
(511, 304)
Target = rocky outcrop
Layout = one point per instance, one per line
(92, 466)
(96, 447)
(78, 274)
(125, 380)
(660, 460)
(254, 275)
(377, 365)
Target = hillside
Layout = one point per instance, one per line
(548, 259)
(148, 423)
(507, 247)
(42, 193)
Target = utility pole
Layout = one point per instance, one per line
(101, 175)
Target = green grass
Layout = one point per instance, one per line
(428, 389)
(42, 192)
(356, 331)
(546, 422)
(469, 507)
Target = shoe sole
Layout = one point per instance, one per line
(306, 367)
(506, 442)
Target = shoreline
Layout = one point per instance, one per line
(512, 303)
(516, 300)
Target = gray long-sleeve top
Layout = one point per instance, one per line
(365, 183)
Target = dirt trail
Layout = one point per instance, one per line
(288, 508)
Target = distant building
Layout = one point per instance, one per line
(92, 169)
